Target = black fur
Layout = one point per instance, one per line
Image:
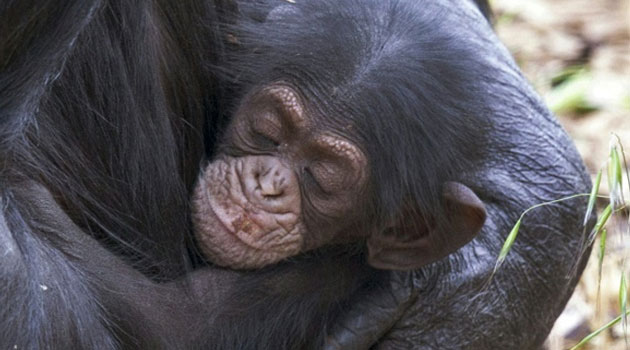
(111, 106)
(104, 103)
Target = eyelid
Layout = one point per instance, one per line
(264, 137)
(267, 129)
(268, 118)
(309, 173)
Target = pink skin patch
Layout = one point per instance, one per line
(246, 212)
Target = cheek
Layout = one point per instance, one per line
(232, 228)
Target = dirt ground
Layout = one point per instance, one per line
(576, 53)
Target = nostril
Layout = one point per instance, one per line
(271, 184)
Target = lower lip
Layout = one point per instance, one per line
(224, 226)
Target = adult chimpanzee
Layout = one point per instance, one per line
(102, 106)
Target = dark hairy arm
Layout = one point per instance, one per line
(61, 288)
(70, 223)
(80, 295)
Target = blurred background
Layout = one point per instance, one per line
(576, 53)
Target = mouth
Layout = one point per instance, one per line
(216, 222)
(235, 236)
(233, 223)
(250, 229)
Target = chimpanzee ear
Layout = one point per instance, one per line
(465, 215)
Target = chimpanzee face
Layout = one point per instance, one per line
(282, 183)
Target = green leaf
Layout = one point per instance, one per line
(566, 74)
(507, 245)
(572, 94)
(596, 332)
(623, 299)
(600, 223)
(617, 160)
(615, 178)
(593, 197)
(600, 262)
(602, 251)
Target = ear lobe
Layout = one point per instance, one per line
(465, 214)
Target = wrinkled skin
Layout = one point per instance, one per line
(253, 233)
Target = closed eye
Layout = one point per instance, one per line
(311, 179)
(264, 140)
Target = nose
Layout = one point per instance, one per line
(272, 180)
(270, 183)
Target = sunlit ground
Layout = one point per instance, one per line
(577, 55)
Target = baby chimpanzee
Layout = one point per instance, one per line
(335, 146)
(287, 182)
